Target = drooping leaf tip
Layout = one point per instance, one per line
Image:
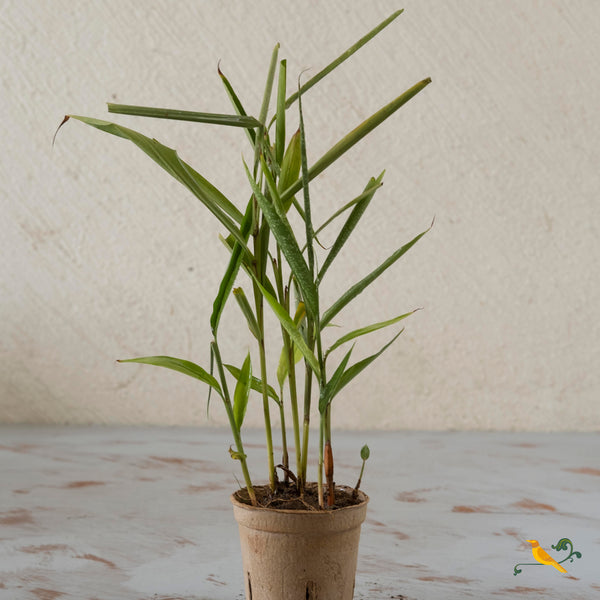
(67, 117)
(219, 69)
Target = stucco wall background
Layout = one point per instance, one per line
(104, 257)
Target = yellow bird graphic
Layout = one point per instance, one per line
(543, 557)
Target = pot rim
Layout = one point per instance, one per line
(365, 500)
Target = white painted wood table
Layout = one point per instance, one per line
(143, 513)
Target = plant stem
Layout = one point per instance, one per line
(237, 438)
(294, 403)
(362, 470)
(288, 348)
(307, 401)
(320, 475)
(285, 459)
(329, 458)
(259, 267)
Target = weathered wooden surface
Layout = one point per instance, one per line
(143, 514)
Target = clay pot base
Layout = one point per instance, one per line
(286, 497)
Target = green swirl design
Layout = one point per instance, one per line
(565, 544)
(562, 544)
(517, 570)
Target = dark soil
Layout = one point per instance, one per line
(287, 497)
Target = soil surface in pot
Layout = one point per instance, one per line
(286, 497)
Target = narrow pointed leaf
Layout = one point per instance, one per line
(283, 367)
(290, 168)
(368, 191)
(242, 392)
(357, 288)
(262, 136)
(368, 329)
(237, 257)
(237, 105)
(361, 365)
(177, 364)
(255, 383)
(210, 389)
(333, 385)
(291, 328)
(184, 115)
(247, 258)
(344, 56)
(264, 109)
(280, 114)
(306, 193)
(284, 235)
(247, 312)
(355, 136)
(167, 158)
(349, 225)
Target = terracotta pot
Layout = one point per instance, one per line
(299, 554)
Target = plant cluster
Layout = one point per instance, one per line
(281, 267)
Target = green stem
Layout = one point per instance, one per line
(258, 299)
(288, 348)
(320, 473)
(237, 438)
(294, 403)
(307, 401)
(285, 458)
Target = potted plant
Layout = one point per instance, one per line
(316, 524)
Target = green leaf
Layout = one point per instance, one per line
(237, 105)
(242, 392)
(349, 225)
(237, 257)
(357, 288)
(334, 384)
(177, 364)
(247, 311)
(368, 329)
(283, 367)
(168, 159)
(340, 59)
(262, 136)
(307, 212)
(368, 191)
(247, 258)
(355, 136)
(284, 235)
(290, 167)
(280, 114)
(291, 328)
(264, 109)
(361, 365)
(255, 383)
(236, 455)
(365, 452)
(184, 115)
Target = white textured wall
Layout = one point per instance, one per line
(104, 257)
